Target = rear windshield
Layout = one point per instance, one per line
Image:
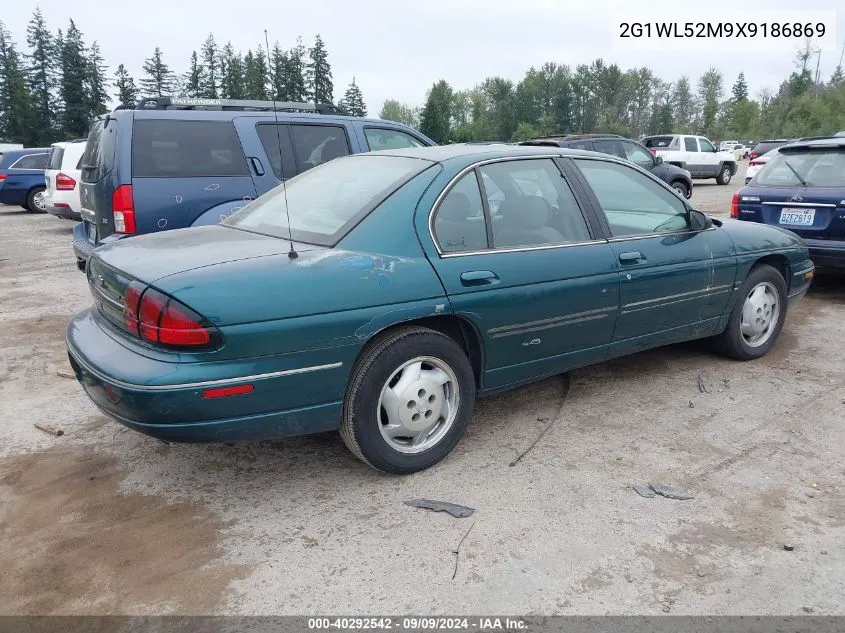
(186, 149)
(326, 202)
(814, 168)
(661, 142)
(767, 146)
(56, 158)
(98, 159)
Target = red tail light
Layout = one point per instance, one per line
(65, 182)
(2, 176)
(123, 208)
(753, 155)
(162, 320)
(653, 151)
(735, 206)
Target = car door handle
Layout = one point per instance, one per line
(257, 167)
(634, 257)
(479, 278)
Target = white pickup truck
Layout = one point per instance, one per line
(696, 154)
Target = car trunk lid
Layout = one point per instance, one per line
(812, 213)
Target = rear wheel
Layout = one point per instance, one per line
(681, 187)
(757, 318)
(725, 175)
(35, 201)
(409, 400)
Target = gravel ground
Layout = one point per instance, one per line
(104, 520)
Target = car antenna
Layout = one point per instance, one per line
(292, 254)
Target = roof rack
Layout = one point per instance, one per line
(192, 103)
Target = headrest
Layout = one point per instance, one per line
(454, 208)
(528, 212)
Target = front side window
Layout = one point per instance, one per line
(325, 203)
(536, 206)
(459, 220)
(818, 168)
(632, 202)
(706, 146)
(317, 144)
(637, 154)
(689, 144)
(186, 149)
(32, 161)
(383, 138)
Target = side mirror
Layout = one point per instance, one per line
(699, 221)
(658, 160)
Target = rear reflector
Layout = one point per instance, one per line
(735, 206)
(224, 392)
(65, 183)
(756, 163)
(123, 208)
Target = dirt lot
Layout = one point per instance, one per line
(104, 520)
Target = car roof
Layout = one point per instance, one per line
(441, 153)
(28, 150)
(822, 143)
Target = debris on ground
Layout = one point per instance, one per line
(454, 509)
(788, 547)
(691, 405)
(644, 490)
(48, 429)
(703, 386)
(64, 373)
(457, 550)
(566, 384)
(807, 609)
(670, 492)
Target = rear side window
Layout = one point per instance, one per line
(608, 147)
(459, 221)
(317, 144)
(382, 138)
(98, 159)
(31, 161)
(689, 144)
(661, 142)
(56, 156)
(186, 149)
(762, 148)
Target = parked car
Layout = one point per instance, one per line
(802, 188)
(696, 154)
(170, 163)
(22, 178)
(726, 146)
(379, 294)
(677, 178)
(62, 178)
(8, 147)
(756, 164)
(741, 151)
(764, 147)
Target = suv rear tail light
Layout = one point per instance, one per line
(753, 155)
(653, 151)
(2, 176)
(123, 208)
(65, 182)
(735, 206)
(163, 321)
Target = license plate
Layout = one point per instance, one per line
(798, 217)
(92, 233)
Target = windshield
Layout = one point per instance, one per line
(327, 201)
(807, 168)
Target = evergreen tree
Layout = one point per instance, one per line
(278, 73)
(740, 89)
(96, 83)
(295, 72)
(709, 94)
(353, 100)
(192, 85)
(42, 72)
(127, 91)
(211, 66)
(231, 74)
(73, 88)
(159, 80)
(683, 105)
(318, 73)
(837, 77)
(17, 107)
(436, 116)
(255, 75)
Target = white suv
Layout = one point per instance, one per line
(62, 180)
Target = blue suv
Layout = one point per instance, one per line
(168, 163)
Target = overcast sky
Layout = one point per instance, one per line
(397, 49)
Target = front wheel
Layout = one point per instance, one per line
(757, 318)
(35, 200)
(725, 175)
(681, 187)
(408, 401)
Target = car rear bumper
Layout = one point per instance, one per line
(166, 399)
(827, 253)
(65, 213)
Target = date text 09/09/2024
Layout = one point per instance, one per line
(418, 624)
(721, 29)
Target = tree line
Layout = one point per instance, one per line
(51, 89)
(603, 98)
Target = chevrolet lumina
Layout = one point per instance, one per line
(379, 294)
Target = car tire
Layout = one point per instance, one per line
(725, 175)
(757, 318)
(35, 200)
(681, 187)
(403, 368)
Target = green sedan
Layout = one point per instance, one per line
(380, 294)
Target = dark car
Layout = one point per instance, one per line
(802, 188)
(677, 178)
(169, 163)
(763, 147)
(22, 178)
